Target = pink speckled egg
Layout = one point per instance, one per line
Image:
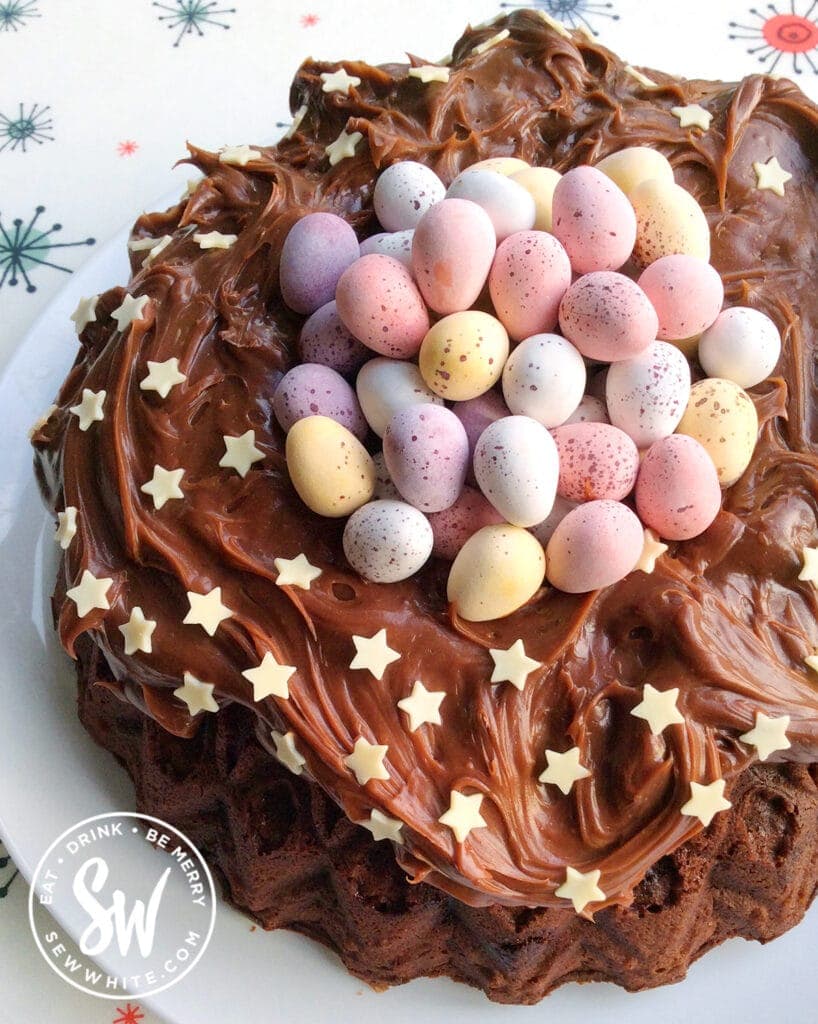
(310, 389)
(404, 192)
(597, 461)
(509, 206)
(678, 493)
(452, 252)
(379, 303)
(317, 250)
(544, 378)
(594, 546)
(591, 409)
(608, 317)
(397, 244)
(387, 541)
(454, 525)
(530, 274)
(686, 293)
(325, 340)
(593, 219)
(647, 395)
(427, 455)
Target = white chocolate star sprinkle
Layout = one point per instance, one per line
(190, 187)
(270, 679)
(41, 421)
(706, 801)
(141, 244)
(809, 572)
(338, 81)
(343, 147)
(463, 814)
(693, 116)
(89, 409)
(513, 665)
(85, 313)
(214, 240)
(298, 117)
(487, 44)
(658, 708)
(383, 827)
(564, 769)
(287, 752)
(557, 26)
(66, 526)
(197, 695)
(811, 661)
(652, 551)
(90, 593)
(240, 452)
(132, 308)
(639, 77)
(164, 486)
(771, 176)
(160, 246)
(430, 73)
(207, 610)
(373, 653)
(422, 706)
(366, 761)
(138, 632)
(581, 889)
(768, 735)
(238, 156)
(296, 572)
(162, 377)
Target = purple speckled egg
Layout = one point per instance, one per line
(387, 541)
(544, 378)
(686, 292)
(384, 487)
(596, 545)
(648, 394)
(597, 461)
(529, 276)
(325, 340)
(404, 192)
(316, 252)
(397, 244)
(678, 492)
(427, 455)
(310, 389)
(454, 525)
(608, 317)
(594, 220)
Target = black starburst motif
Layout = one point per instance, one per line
(193, 16)
(15, 13)
(24, 247)
(574, 13)
(8, 872)
(33, 125)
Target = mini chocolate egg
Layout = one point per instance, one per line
(743, 345)
(509, 206)
(590, 410)
(596, 461)
(497, 571)
(325, 340)
(608, 317)
(478, 413)
(317, 250)
(594, 546)
(310, 389)
(529, 276)
(722, 418)
(384, 386)
(544, 378)
(387, 541)
(452, 252)
(686, 293)
(380, 305)
(631, 166)
(594, 220)
(516, 466)
(545, 530)
(397, 244)
(329, 467)
(404, 192)
(648, 394)
(540, 183)
(384, 487)
(454, 525)
(668, 221)
(677, 493)
(462, 356)
(507, 165)
(427, 455)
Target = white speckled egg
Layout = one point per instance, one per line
(722, 418)
(462, 355)
(516, 466)
(678, 493)
(594, 220)
(404, 192)
(509, 206)
(594, 546)
(385, 386)
(397, 244)
(387, 541)
(596, 460)
(497, 571)
(545, 530)
(648, 394)
(530, 274)
(631, 166)
(427, 455)
(453, 526)
(591, 409)
(668, 221)
(329, 467)
(544, 378)
(540, 183)
(743, 345)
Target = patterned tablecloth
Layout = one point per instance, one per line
(97, 98)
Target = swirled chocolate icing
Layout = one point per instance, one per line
(723, 618)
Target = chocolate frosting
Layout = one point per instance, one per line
(723, 618)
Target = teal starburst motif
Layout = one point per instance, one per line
(574, 13)
(27, 126)
(15, 13)
(26, 246)
(192, 17)
(8, 872)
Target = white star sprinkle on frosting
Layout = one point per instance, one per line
(240, 452)
(513, 665)
(373, 654)
(343, 147)
(90, 593)
(693, 116)
(89, 409)
(564, 769)
(366, 761)
(270, 679)
(190, 187)
(207, 610)
(768, 735)
(809, 571)
(66, 526)
(422, 706)
(162, 377)
(160, 246)
(771, 176)
(141, 244)
(296, 572)
(85, 313)
(287, 752)
(557, 26)
(138, 632)
(706, 801)
(298, 117)
(214, 240)
(41, 421)
(658, 708)
(164, 486)
(383, 827)
(238, 156)
(197, 695)
(639, 77)
(463, 814)
(581, 889)
(652, 551)
(811, 661)
(338, 81)
(487, 44)
(131, 309)
(430, 73)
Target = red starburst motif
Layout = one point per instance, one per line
(127, 148)
(791, 34)
(130, 1015)
(308, 20)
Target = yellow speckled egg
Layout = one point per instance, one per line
(540, 183)
(463, 355)
(496, 571)
(505, 165)
(722, 418)
(329, 467)
(668, 221)
(630, 167)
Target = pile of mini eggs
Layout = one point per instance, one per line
(520, 343)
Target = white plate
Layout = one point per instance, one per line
(53, 776)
